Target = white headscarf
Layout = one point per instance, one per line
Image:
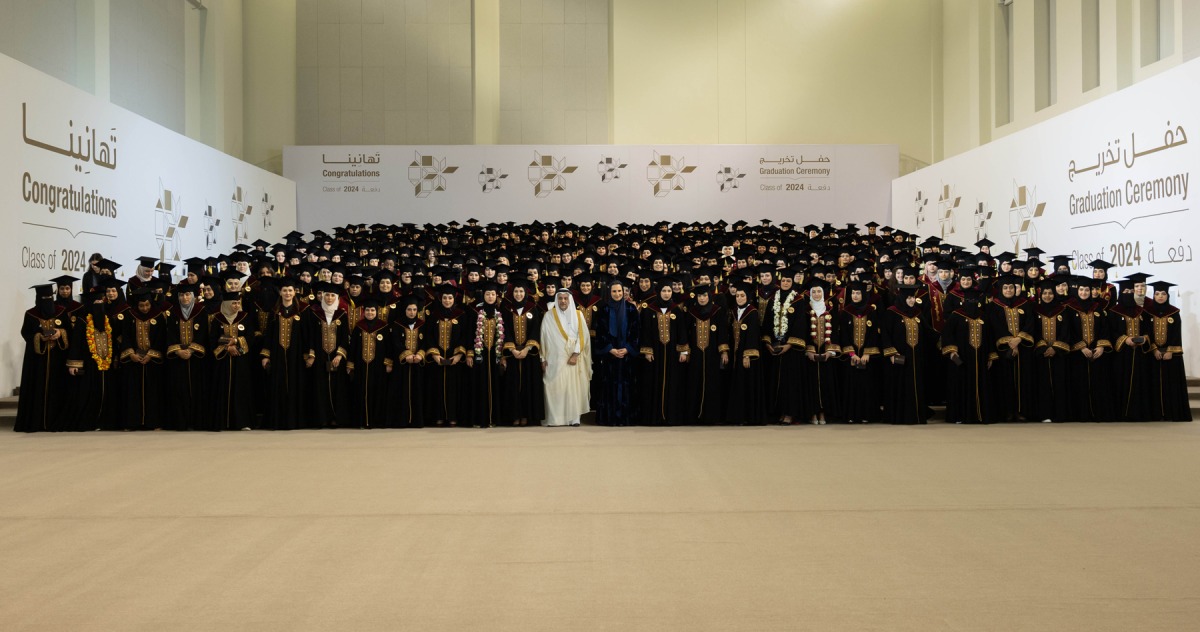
(818, 307)
(569, 321)
(328, 310)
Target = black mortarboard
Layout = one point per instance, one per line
(1162, 286)
(65, 279)
(1137, 277)
(147, 262)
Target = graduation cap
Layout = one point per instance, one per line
(327, 287)
(372, 301)
(1061, 260)
(985, 243)
(286, 281)
(65, 279)
(108, 281)
(293, 236)
(164, 268)
(872, 224)
(147, 262)
(231, 296)
(740, 224)
(1137, 277)
(1162, 286)
(1033, 253)
(1100, 263)
(261, 243)
(185, 288)
(43, 291)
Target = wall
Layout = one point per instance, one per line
(146, 44)
(394, 72)
(769, 71)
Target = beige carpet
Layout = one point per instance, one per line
(1030, 527)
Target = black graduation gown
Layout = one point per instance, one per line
(858, 335)
(614, 376)
(95, 394)
(783, 372)
(1051, 324)
(1090, 378)
(745, 402)
(141, 386)
(369, 368)
(406, 395)
(523, 391)
(1168, 378)
(660, 379)
(445, 338)
(1013, 371)
(44, 370)
(1132, 362)
(286, 376)
(187, 380)
(708, 337)
(323, 341)
(232, 383)
(483, 378)
(903, 337)
(968, 391)
(821, 376)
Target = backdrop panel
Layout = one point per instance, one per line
(591, 183)
(1109, 180)
(79, 175)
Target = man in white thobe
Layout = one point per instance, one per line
(566, 362)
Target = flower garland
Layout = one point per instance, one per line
(479, 337)
(828, 318)
(102, 363)
(780, 327)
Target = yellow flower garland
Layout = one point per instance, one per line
(102, 363)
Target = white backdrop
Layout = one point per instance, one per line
(586, 184)
(1109, 180)
(79, 175)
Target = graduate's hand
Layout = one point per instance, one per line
(990, 363)
(184, 354)
(854, 360)
(1049, 352)
(266, 363)
(503, 363)
(413, 359)
(470, 361)
(55, 335)
(145, 359)
(1014, 343)
(724, 359)
(336, 361)
(864, 359)
(544, 365)
(73, 371)
(1097, 353)
(388, 368)
(831, 354)
(954, 357)
(812, 356)
(1168, 355)
(1087, 353)
(746, 362)
(308, 362)
(649, 357)
(683, 357)
(1158, 354)
(771, 349)
(454, 359)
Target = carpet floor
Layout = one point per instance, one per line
(941, 527)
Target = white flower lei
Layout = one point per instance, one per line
(780, 327)
(479, 336)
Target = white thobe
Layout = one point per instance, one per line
(568, 388)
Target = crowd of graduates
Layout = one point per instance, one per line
(408, 326)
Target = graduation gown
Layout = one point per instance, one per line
(660, 379)
(784, 371)
(821, 389)
(142, 402)
(1168, 378)
(523, 395)
(44, 370)
(1090, 378)
(708, 338)
(968, 392)
(1051, 329)
(369, 366)
(745, 402)
(617, 327)
(286, 376)
(93, 350)
(186, 378)
(1010, 319)
(232, 382)
(906, 340)
(486, 338)
(323, 341)
(405, 397)
(858, 335)
(446, 337)
(1132, 368)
